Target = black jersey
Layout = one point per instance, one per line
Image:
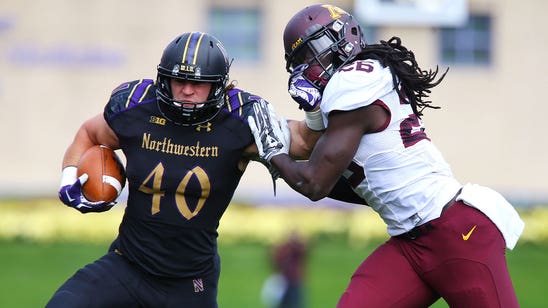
(181, 179)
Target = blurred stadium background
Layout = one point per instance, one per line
(60, 59)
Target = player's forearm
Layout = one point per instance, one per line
(300, 176)
(303, 139)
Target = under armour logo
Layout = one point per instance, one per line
(198, 285)
(207, 127)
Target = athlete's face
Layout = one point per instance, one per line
(190, 91)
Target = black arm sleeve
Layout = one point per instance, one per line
(343, 192)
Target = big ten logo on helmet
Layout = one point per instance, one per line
(188, 68)
(183, 68)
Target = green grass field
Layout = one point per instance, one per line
(42, 243)
(32, 271)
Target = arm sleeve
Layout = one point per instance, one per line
(343, 192)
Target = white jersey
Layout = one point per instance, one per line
(397, 171)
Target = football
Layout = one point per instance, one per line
(106, 174)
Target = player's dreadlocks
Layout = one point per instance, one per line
(415, 82)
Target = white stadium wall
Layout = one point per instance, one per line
(60, 59)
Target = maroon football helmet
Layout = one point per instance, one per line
(323, 36)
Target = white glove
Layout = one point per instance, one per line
(286, 133)
(271, 137)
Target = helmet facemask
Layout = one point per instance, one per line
(189, 113)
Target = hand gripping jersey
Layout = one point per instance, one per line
(397, 171)
(181, 179)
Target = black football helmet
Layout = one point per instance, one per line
(323, 36)
(194, 56)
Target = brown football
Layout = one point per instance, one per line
(106, 174)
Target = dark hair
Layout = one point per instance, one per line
(415, 82)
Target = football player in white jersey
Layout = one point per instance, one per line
(447, 239)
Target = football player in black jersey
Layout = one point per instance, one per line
(187, 143)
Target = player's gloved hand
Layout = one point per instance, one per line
(302, 91)
(286, 141)
(270, 138)
(70, 193)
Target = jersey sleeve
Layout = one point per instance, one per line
(128, 95)
(240, 103)
(356, 85)
(343, 192)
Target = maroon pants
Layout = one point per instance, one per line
(460, 257)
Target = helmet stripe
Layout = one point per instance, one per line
(192, 45)
(197, 49)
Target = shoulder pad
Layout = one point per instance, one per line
(239, 102)
(130, 94)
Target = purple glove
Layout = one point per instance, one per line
(72, 196)
(302, 91)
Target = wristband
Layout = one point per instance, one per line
(314, 120)
(69, 175)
